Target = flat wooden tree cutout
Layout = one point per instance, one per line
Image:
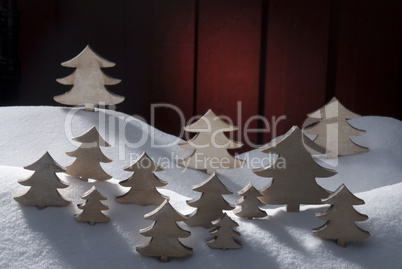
(333, 130)
(92, 208)
(223, 234)
(341, 217)
(143, 183)
(293, 172)
(210, 145)
(88, 157)
(249, 203)
(210, 204)
(89, 82)
(165, 233)
(44, 184)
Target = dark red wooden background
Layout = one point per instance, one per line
(276, 57)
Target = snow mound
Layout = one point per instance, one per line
(52, 238)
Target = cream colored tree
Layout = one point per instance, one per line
(223, 234)
(165, 233)
(92, 208)
(210, 145)
(88, 157)
(293, 172)
(143, 183)
(210, 204)
(334, 131)
(249, 203)
(89, 82)
(44, 183)
(341, 217)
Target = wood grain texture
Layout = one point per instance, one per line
(334, 131)
(89, 82)
(249, 203)
(88, 157)
(368, 55)
(92, 208)
(173, 62)
(293, 173)
(228, 51)
(223, 234)
(210, 145)
(44, 184)
(296, 59)
(341, 217)
(209, 55)
(142, 183)
(165, 233)
(210, 204)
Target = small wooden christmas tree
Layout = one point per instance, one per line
(44, 184)
(165, 233)
(210, 145)
(223, 234)
(341, 217)
(210, 204)
(92, 208)
(89, 156)
(89, 82)
(294, 172)
(333, 130)
(143, 183)
(249, 203)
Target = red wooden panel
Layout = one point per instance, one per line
(229, 36)
(296, 60)
(173, 61)
(369, 40)
(36, 24)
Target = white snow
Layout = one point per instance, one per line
(52, 238)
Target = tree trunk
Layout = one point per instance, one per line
(164, 259)
(341, 242)
(293, 208)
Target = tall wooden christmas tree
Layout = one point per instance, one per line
(210, 145)
(293, 172)
(92, 208)
(88, 157)
(165, 233)
(210, 204)
(223, 234)
(249, 203)
(341, 217)
(89, 82)
(44, 184)
(143, 183)
(333, 130)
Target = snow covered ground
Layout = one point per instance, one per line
(52, 238)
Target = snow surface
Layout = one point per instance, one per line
(52, 238)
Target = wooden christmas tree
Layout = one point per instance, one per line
(165, 233)
(293, 172)
(89, 156)
(341, 217)
(89, 82)
(249, 203)
(223, 234)
(210, 145)
(44, 184)
(143, 183)
(333, 130)
(210, 204)
(92, 208)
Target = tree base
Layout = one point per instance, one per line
(341, 243)
(293, 208)
(164, 259)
